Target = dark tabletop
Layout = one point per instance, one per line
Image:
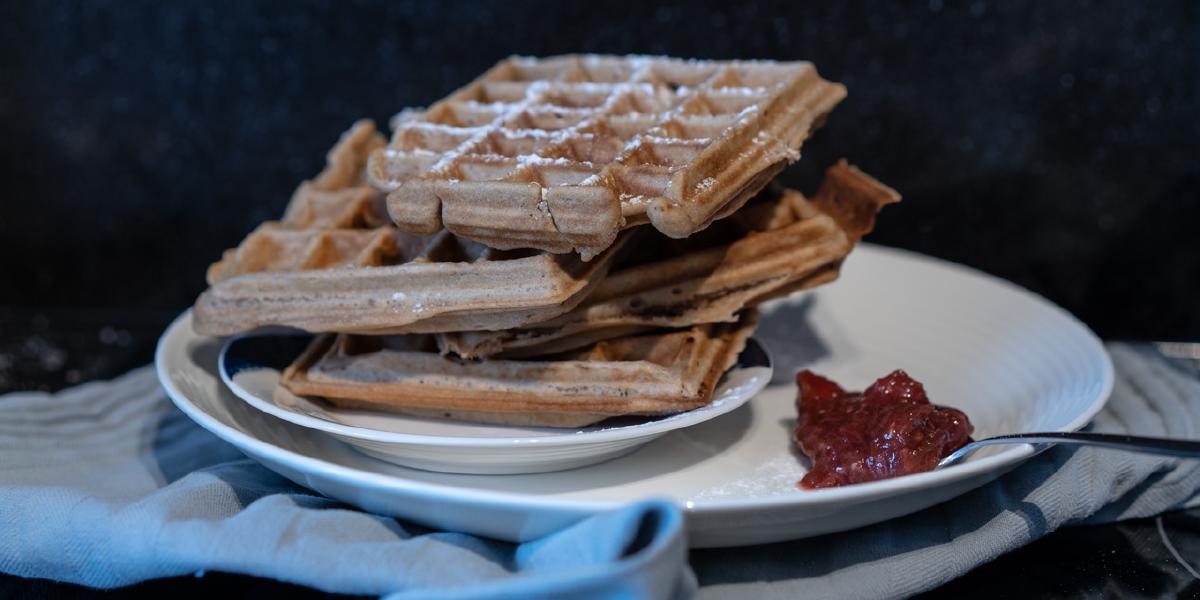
(1056, 145)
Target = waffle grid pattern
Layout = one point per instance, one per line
(335, 262)
(562, 152)
(337, 221)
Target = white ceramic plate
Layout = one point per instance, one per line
(1011, 360)
(251, 366)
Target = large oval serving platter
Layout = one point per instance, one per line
(1011, 360)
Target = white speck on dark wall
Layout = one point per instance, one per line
(47, 355)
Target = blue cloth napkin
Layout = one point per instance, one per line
(106, 484)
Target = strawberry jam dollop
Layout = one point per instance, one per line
(887, 430)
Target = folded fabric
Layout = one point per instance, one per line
(106, 484)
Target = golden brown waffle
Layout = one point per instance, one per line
(336, 199)
(561, 153)
(652, 374)
(335, 263)
(778, 243)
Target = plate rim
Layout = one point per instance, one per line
(859, 492)
(617, 434)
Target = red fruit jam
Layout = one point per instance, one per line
(890, 429)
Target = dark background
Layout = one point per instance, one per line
(1056, 145)
(1053, 144)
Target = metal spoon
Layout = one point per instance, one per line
(1131, 443)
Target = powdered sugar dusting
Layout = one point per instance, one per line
(617, 122)
(533, 160)
(746, 92)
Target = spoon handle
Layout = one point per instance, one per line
(1131, 443)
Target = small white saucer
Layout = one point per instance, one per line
(251, 365)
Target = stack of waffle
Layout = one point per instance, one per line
(561, 241)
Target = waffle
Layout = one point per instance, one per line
(653, 374)
(560, 153)
(778, 243)
(335, 263)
